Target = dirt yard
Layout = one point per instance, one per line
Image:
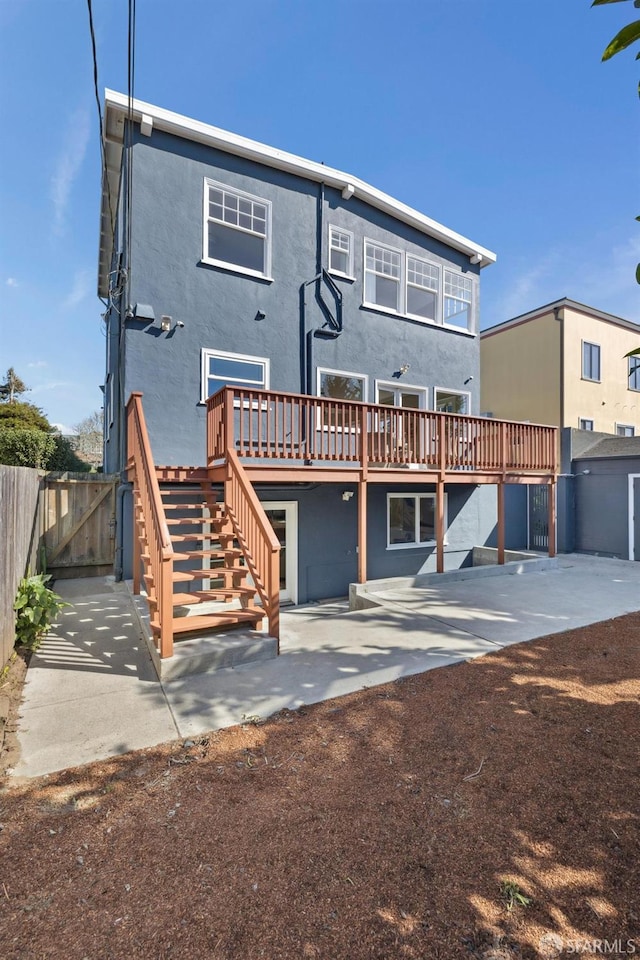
(396, 823)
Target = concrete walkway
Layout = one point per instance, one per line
(91, 690)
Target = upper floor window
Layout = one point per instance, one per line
(237, 230)
(402, 283)
(221, 369)
(341, 252)
(457, 300)
(422, 288)
(585, 424)
(590, 361)
(634, 373)
(625, 430)
(451, 401)
(382, 272)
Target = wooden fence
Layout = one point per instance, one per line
(20, 490)
(78, 524)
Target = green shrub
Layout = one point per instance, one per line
(25, 447)
(64, 457)
(37, 607)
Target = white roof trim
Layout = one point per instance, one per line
(180, 126)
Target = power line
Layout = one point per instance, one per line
(99, 106)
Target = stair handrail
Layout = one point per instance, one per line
(160, 548)
(255, 535)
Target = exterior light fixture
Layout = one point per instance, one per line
(347, 495)
(260, 315)
(165, 323)
(404, 369)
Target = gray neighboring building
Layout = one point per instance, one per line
(225, 261)
(600, 493)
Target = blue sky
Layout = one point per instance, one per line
(495, 117)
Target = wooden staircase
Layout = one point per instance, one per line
(208, 566)
(204, 562)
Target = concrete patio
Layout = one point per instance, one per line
(91, 691)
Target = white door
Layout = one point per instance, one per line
(283, 515)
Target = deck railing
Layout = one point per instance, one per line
(265, 425)
(158, 541)
(254, 533)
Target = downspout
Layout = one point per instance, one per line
(123, 488)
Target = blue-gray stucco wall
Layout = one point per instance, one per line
(218, 308)
(602, 505)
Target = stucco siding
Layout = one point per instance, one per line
(520, 369)
(610, 401)
(602, 523)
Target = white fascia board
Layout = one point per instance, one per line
(190, 129)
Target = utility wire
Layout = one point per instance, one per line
(99, 106)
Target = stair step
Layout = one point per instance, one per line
(226, 618)
(199, 535)
(192, 506)
(180, 521)
(215, 595)
(215, 552)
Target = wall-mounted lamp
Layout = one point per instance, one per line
(260, 315)
(586, 472)
(468, 380)
(404, 368)
(165, 323)
(347, 495)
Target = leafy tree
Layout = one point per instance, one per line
(12, 387)
(23, 415)
(625, 37)
(24, 447)
(88, 439)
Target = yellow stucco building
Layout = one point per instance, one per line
(563, 364)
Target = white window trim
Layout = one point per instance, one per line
(591, 344)
(439, 319)
(223, 264)
(207, 352)
(422, 392)
(582, 420)
(417, 496)
(400, 280)
(350, 275)
(625, 426)
(340, 373)
(472, 303)
(403, 282)
(457, 393)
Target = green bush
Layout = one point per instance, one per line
(37, 607)
(64, 457)
(24, 447)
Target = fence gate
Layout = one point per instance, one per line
(538, 525)
(79, 519)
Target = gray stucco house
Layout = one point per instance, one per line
(338, 328)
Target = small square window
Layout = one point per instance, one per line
(585, 424)
(341, 252)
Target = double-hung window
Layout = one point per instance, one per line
(237, 230)
(400, 282)
(411, 520)
(221, 369)
(590, 361)
(458, 293)
(382, 276)
(341, 252)
(634, 373)
(423, 280)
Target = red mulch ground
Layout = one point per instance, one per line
(379, 825)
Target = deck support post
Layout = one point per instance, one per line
(440, 527)
(551, 498)
(362, 531)
(500, 522)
